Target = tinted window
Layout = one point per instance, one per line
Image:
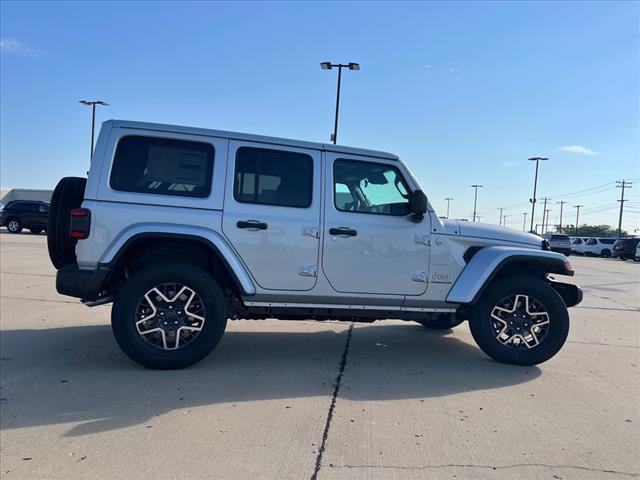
(369, 188)
(577, 241)
(163, 166)
(592, 241)
(559, 237)
(608, 241)
(273, 177)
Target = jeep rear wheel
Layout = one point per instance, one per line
(521, 321)
(169, 316)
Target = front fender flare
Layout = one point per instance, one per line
(488, 262)
(210, 237)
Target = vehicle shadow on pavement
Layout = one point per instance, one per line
(78, 374)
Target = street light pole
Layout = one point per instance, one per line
(339, 66)
(475, 201)
(448, 199)
(535, 186)
(93, 104)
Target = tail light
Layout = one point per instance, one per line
(80, 223)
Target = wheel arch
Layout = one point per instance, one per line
(142, 243)
(494, 263)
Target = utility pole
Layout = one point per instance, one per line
(544, 212)
(501, 209)
(545, 226)
(622, 184)
(524, 223)
(504, 217)
(577, 216)
(448, 199)
(535, 186)
(475, 201)
(561, 205)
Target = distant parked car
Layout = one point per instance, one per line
(558, 242)
(625, 248)
(637, 256)
(598, 247)
(577, 245)
(20, 214)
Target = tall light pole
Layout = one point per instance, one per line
(475, 201)
(577, 216)
(448, 199)
(524, 222)
(339, 66)
(535, 186)
(93, 104)
(561, 205)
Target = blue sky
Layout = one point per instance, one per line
(463, 92)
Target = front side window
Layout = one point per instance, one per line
(163, 166)
(273, 177)
(592, 241)
(365, 187)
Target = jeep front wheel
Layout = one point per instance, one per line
(169, 316)
(521, 321)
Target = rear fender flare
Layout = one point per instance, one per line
(209, 237)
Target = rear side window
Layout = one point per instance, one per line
(592, 241)
(163, 166)
(273, 177)
(608, 241)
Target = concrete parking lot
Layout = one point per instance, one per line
(411, 403)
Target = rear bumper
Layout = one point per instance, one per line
(564, 250)
(81, 283)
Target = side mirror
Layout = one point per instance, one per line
(417, 205)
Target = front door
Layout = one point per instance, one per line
(272, 213)
(371, 245)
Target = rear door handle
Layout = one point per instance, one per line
(346, 231)
(252, 225)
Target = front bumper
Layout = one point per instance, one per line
(85, 284)
(571, 294)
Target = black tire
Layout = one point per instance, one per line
(483, 326)
(67, 195)
(605, 253)
(35, 231)
(14, 225)
(125, 310)
(446, 322)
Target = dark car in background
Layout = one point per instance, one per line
(625, 248)
(20, 214)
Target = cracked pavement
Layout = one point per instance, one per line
(301, 400)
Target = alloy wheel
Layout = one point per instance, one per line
(520, 321)
(170, 316)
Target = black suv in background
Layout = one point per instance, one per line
(20, 214)
(625, 248)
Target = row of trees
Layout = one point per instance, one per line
(585, 230)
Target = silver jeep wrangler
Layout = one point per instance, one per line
(183, 228)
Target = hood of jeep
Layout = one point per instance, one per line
(499, 234)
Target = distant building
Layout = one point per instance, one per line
(9, 194)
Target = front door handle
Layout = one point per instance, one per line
(252, 225)
(346, 231)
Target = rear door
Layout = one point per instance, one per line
(272, 212)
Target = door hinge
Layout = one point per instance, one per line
(313, 232)
(422, 240)
(308, 270)
(420, 276)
